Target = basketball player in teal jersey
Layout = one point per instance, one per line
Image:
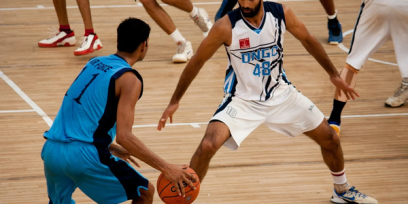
(258, 91)
(98, 106)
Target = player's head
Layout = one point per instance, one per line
(133, 35)
(249, 8)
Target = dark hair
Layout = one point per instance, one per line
(132, 32)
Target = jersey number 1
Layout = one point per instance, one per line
(77, 99)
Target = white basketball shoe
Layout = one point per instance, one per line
(352, 196)
(89, 44)
(61, 38)
(399, 97)
(184, 52)
(203, 21)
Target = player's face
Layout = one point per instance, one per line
(249, 8)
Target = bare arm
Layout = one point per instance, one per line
(220, 34)
(128, 87)
(298, 29)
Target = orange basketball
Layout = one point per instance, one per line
(168, 193)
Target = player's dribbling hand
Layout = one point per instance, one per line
(122, 153)
(170, 110)
(343, 86)
(178, 175)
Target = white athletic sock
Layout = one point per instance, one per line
(339, 177)
(332, 16)
(177, 37)
(194, 12)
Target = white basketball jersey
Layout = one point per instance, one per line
(255, 55)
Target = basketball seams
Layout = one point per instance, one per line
(165, 187)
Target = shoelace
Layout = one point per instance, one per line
(199, 20)
(181, 48)
(84, 40)
(52, 32)
(355, 192)
(400, 90)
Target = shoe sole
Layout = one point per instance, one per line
(89, 51)
(55, 45)
(334, 43)
(390, 106)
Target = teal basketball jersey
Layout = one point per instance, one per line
(88, 111)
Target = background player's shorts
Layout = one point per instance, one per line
(378, 22)
(101, 176)
(294, 116)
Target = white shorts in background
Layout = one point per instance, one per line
(294, 116)
(378, 22)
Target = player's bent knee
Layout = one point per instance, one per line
(333, 141)
(208, 146)
(147, 195)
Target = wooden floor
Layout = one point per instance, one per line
(268, 168)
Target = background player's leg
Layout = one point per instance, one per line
(146, 196)
(61, 9)
(85, 9)
(199, 15)
(334, 26)
(226, 6)
(328, 6)
(184, 5)
(90, 42)
(399, 30)
(371, 31)
(349, 75)
(185, 50)
(215, 136)
(159, 16)
(65, 36)
(332, 153)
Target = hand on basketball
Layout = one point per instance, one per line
(178, 175)
(122, 153)
(170, 110)
(343, 86)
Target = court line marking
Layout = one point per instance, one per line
(17, 111)
(26, 98)
(138, 4)
(344, 48)
(197, 124)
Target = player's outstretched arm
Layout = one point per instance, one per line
(128, 88)
(298, 29)
(219, 34)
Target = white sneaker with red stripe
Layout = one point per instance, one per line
(89, 44)
(61, 38)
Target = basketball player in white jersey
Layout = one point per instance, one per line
(377, 22)
(257, 90)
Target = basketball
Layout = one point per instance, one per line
(168, 193)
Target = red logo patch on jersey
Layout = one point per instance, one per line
(244, 43)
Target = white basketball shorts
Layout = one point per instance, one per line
(292, 117)
(378, 22)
